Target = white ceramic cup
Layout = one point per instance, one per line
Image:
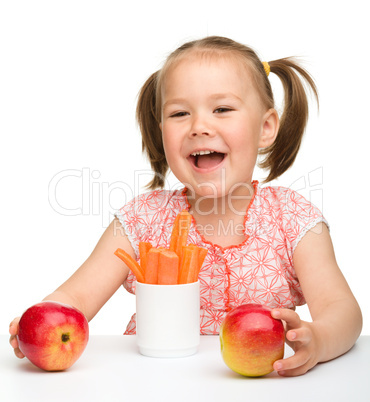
(167, 319)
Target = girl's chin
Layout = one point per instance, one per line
(212, 191)
(206, 191)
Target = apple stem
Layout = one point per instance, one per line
(65, 338)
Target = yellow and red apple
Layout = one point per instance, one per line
(251, 340)
(53, 335)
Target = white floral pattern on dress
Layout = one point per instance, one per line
(259, 270)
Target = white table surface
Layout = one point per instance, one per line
(111, 369)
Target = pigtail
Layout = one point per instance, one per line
(282, 153)
(147, 116)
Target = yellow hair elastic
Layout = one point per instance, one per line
(267, 68)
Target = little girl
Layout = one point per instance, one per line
(207, 115)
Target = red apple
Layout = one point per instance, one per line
(251, 340)
(53, 335)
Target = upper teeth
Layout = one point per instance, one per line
(202, 153)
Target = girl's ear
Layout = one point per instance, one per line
(270, 128)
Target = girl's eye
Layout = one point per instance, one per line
(223, 110)
(179, 114)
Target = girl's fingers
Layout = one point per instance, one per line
(13, 342)
(302, 335)
(289, 316)
(18, 353)
(299, 336)
(295, 372)
(294, 365)
(13, 326)
(13, 331)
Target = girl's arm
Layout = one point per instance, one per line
(91, 286)
(336, 316)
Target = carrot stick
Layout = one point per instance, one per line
(168, 267)
(131, 263)
(189, 264)
(175, 233)
(184, 225)
(202, 253)
(152, 263)
(144, 247)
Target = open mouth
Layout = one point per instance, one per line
(206, 159)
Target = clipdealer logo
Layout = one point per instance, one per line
(74, 192)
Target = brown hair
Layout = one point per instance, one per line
(280, 156)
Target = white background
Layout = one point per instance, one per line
(69, 75)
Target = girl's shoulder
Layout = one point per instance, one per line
(287, 203)
(288, 209)
(283, 198)
(156, 200)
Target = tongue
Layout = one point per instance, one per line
(210, 160)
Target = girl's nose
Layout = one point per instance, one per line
(200, 126)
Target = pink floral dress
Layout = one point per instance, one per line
(259, 270)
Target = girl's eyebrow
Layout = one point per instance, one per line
(176, 101)
(228, 95)
(217, 96)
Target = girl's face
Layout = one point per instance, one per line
(210, 107)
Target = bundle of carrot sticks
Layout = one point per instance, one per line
(179, 264)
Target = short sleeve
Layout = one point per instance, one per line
(298, 216)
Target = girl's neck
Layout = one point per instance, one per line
(221, 220)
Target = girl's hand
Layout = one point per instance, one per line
(13, 331)
(301, 337)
